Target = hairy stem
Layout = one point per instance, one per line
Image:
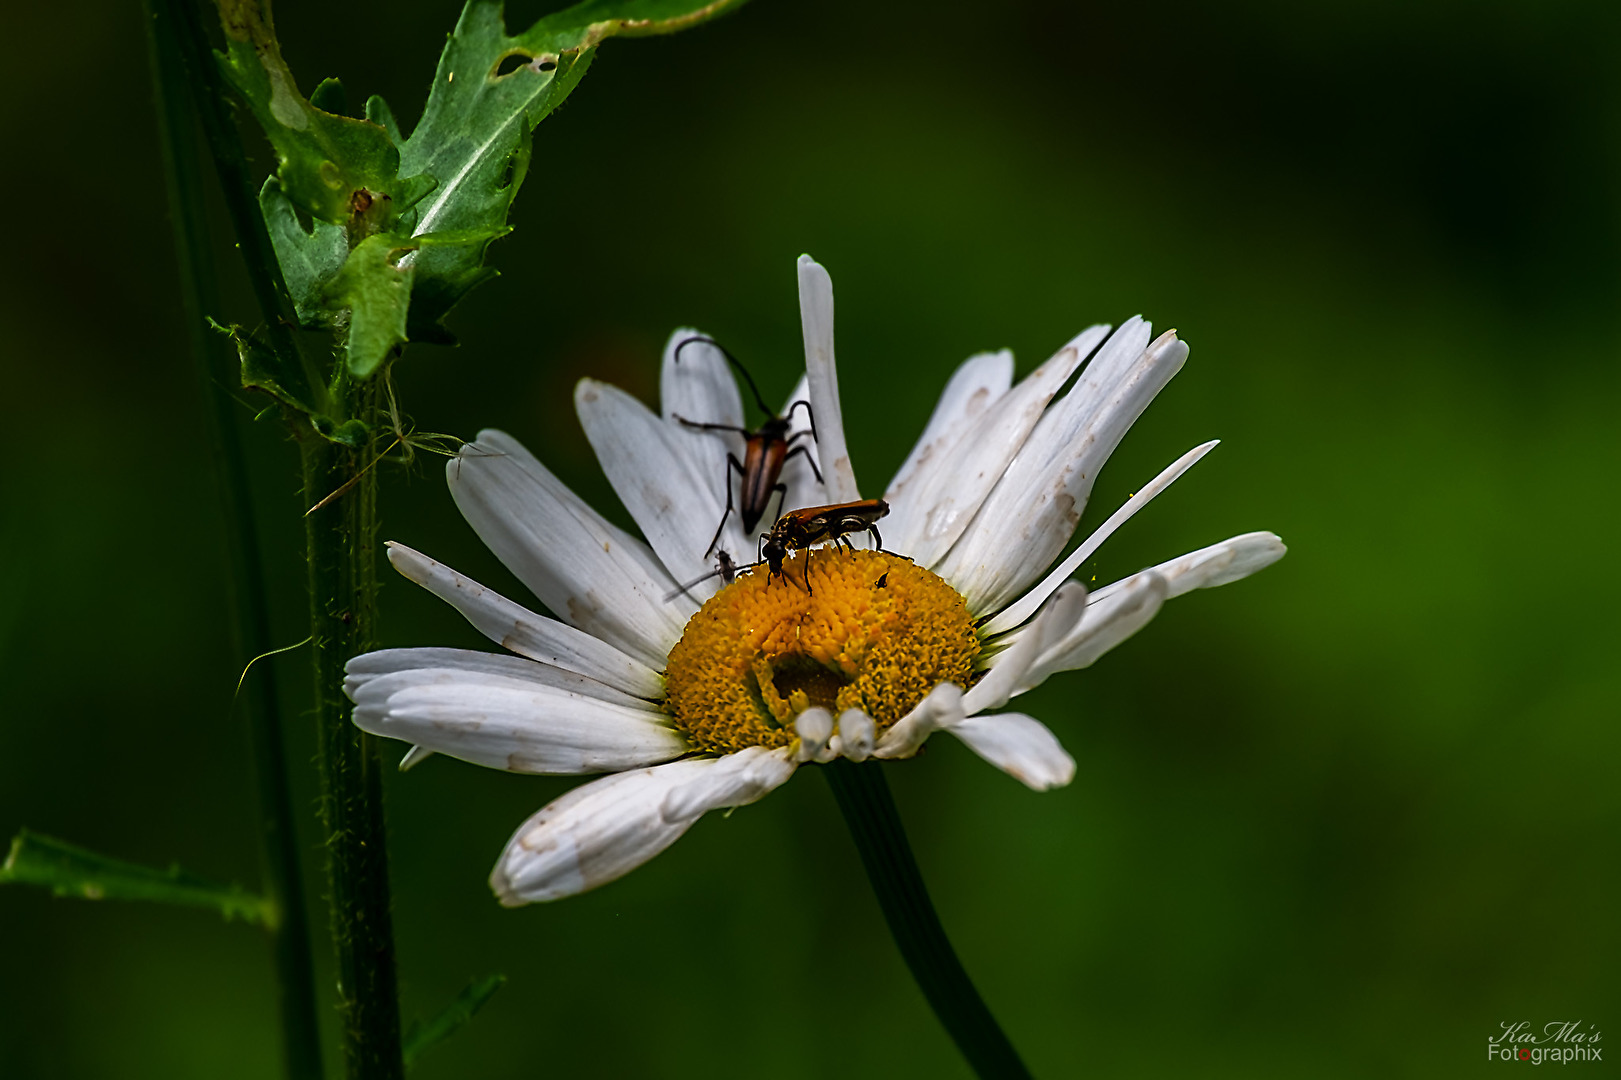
(340, 542)
(278, 839)
(875, 825)
(341, 538)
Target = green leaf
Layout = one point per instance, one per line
(334, 168)
(469, 1001)
(488, 94)
(378, 112)
(72, 871)
(263, 370)
(397, 230)
(309, 258)
(331, 97)
(374, 285)
(377, 292)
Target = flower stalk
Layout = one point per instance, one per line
(341, 539)
(875, 825)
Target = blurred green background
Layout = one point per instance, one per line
(1341, 819)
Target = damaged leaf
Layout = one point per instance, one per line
(309, 257)
(326, 160)
(489, 92)
(381, 235)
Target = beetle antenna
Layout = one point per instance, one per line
(735, 362)
(808, 416)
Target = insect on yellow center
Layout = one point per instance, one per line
(874, 632)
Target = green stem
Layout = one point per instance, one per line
(875, 825)
(341, 538)
(341, 542)
(278, 838)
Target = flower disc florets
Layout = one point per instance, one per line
(866, 630)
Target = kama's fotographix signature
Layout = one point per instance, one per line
(1561, 1041)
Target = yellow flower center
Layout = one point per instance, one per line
(872, 631)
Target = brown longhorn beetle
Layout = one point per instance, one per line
(799, 529)
(766, 450)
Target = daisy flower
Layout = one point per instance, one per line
(711, 697)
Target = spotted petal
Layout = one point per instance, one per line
(1029, 517)
(596, 833)
(646, 459)
(974, 387)
(512, 626)
(534, 722)
(1117, 611)
(1020, 746)
(736, 780)
(816, 315)
(592, 574)
(603, 830)
(804, 489)
(944, 494)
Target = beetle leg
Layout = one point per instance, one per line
(731, 463)
(810, 459)
(782, 501)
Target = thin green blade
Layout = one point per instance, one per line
(453, 1019)
(68, 870)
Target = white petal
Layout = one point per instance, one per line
(700, 388)
(1108, 621)
(1051, 625)
(646, 460)
(816, 315)
(803, 487)
(1219, 564)
(515, 627)
(1020, 746)
(974, 387)
(1031, 514)
(591, 573)
(362, 669)
(941, 708)
(736, 780)
(594, 834)
(856, 734)
(946, 491)
(814, 727)
(510, 723)
(414, 757)
(1021, 608)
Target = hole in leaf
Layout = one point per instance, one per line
(518, 60)
(512, 62)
